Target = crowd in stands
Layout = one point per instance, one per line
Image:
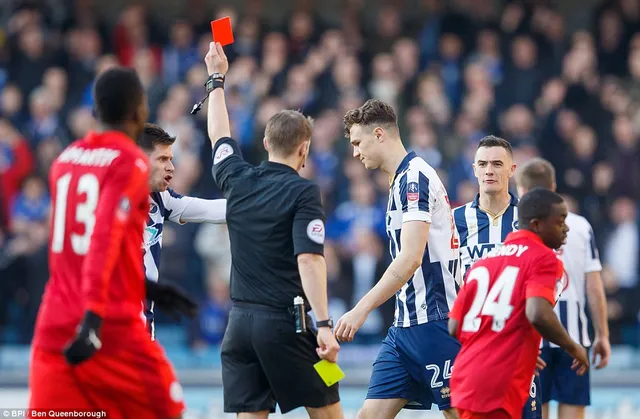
(455, 71)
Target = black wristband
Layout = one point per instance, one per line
(214, 81)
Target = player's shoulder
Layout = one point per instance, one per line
(417, 165)
(168, 196)
(577, 223)
(460, 209)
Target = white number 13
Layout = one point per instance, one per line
(485, 302)
(85, 212)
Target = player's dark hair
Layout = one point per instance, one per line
(373, 112)
(117, 95)
(537, 203)
(493, 141)
(286, 130)
(154, 135)
(536, 173)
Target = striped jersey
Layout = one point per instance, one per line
(417, 194)
(166, 205)
(579, 256)
(480, 232)
(169, 205)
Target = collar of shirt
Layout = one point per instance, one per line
(404, 165)
(512, 202)
(523, 234)
(271, 165)
(94, 136)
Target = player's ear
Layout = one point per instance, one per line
(378, 132)
(513, 170)
(265, 143)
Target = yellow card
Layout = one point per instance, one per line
(330, 372)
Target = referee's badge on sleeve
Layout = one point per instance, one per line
(315, 231)
(224, 151)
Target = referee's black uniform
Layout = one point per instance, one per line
(273, 215)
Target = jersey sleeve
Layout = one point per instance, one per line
(416, 196)
(545, 277)
(227, 160)
(125, 187)
(592, 257)
(186, 209)
(308, 223)
(198, 210)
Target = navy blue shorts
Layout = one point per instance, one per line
(533, 407)
(560, 382)
(415, 363)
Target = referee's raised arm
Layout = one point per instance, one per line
(217, 116)
(278, 271)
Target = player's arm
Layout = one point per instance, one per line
(540, 299)
(126, 187)
(308, 243)
(413, 239)
(597, 302)
(187, 209)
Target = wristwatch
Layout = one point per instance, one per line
(325, 323)
(214, 81)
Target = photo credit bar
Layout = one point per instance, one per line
(52, 413)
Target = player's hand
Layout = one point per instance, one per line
(216, 60)
(87, 341)
(327, 345)
(602, 348)
(540, 364)
(349, 324)
(171, 299)
(580, 359)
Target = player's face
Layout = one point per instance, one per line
(161, 167)
(493, 167)
(553, 230)
(366, 145)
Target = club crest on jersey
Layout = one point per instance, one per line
(514, 225)
(153, 208)
(412, 191)
(123, 209)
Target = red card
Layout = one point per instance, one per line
(221, 31)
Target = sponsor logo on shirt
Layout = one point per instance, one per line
(315, 231)
(224, 151)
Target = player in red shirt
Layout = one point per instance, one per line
(91, 349)
(503, 308)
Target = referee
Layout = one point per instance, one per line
(276, 229)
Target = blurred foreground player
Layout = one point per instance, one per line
(504, 306)
(91, 349)
(582, 268)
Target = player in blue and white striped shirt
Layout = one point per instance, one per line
(414, 364)
(166, 204)
(582, 270)
(484, 223)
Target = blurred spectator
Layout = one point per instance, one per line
(16, 162)
(180, 55)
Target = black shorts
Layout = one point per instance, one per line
(265, 362)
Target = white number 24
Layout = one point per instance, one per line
(446, 373)
(84, 212)
(485, 304)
